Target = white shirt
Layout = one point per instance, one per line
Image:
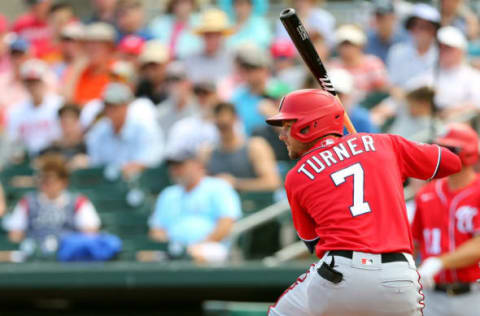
(466, 82)
(192, 133)
(86, 216)
(404, 62)
(140, 140)
(142, 107)
(35, 126)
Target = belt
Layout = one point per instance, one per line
(386, 257)
(328, 272)
(453, 289)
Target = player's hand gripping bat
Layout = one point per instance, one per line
(305, 47)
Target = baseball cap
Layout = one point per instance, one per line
(176, 70)
(453, 37)
(19, 44)
(131, 44)
(425, 12)
(250, 55)
(154, 51)
(100, 32)
(73, 30)
(350, 33)
(181, 155)
(383, 7)
(341, 80)
(33, 69)
(123, 69)
(214, 20)
(283, 48)
(117, 94)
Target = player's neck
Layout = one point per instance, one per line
(462, 179)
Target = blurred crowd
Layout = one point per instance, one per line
(192, 87)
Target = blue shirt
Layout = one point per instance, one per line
(377, 47)
(360, 118)
(246, 105)
(189, 217)
(140, 140)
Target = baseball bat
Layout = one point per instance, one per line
(304, 45)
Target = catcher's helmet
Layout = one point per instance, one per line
(463, 139)
(316, 113)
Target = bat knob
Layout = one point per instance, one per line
(287, 13)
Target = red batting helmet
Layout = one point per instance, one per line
(316, 113)
(464, 139)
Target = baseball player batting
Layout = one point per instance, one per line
(347, 203)
(446, 227)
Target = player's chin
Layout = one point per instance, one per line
(292, 154)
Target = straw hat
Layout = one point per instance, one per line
(212, 21)
(154, 52)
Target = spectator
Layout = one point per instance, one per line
(60, 15)
(413, 58)
(271, 133)
(175, 28)
(285, 64)
(121, 72)
(71, 49)
(51, 210)
(248, 27)
(34, 122)
(316, 20)
(70, 145)
(215, 61)
(4, 56)
(122, 138)
(11, 81)
(417, 114)
(248, 165)
(453, 68)
(248, 97)
(129, 49)
(198, 211)
(103, 11)
(33, 26)
(344, 84)
(368, 71)
(90, 80)
(384, 33)
(181, 101)
(456, 13)
(260, 7)
(130, 19)
(196, 132)
(153, 63)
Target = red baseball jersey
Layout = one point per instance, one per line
(348, 192)
(445, 219)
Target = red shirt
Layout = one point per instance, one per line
(348, 192)
(37, 32)
(444, 220)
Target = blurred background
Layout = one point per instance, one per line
(137, 176)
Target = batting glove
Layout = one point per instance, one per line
(428, 269)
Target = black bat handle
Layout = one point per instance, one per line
(305, 47)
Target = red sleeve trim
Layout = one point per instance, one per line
(24, 203)
(81, 200)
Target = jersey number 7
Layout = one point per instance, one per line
(359, 206)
